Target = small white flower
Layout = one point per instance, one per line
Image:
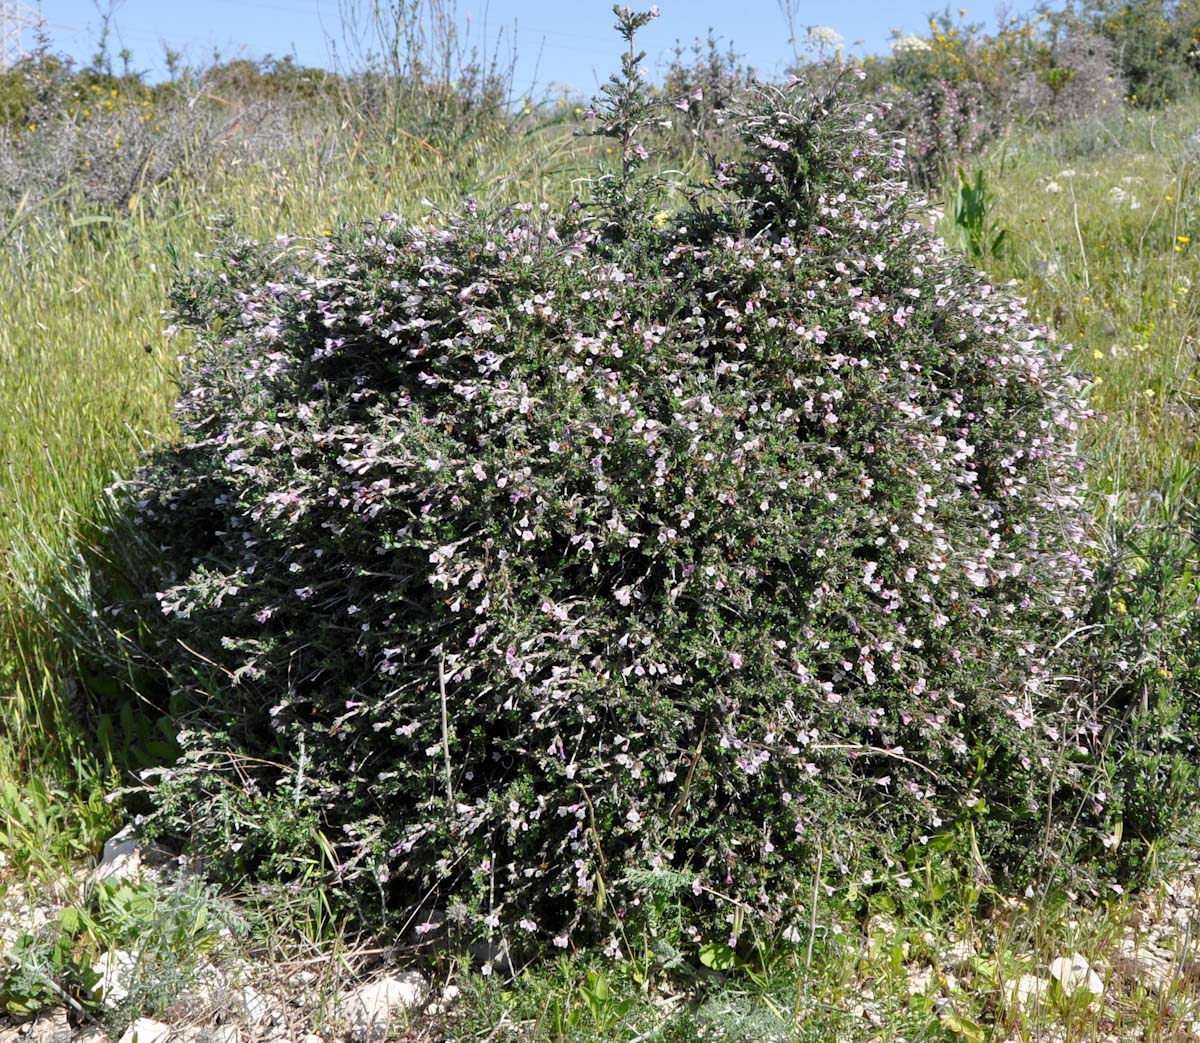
(822, 37)
(909, 44)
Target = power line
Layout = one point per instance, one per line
(15, 18)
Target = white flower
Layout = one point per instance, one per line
(1119, 197)
(823, 37)
(909, 44)
(1053, 187)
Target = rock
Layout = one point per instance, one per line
(881, 924)
(371, 1008)
(127, 858)
(492, 954)
(117, 970)
(445, 1001)
(207, 1034)
(51, 1027)
(1147, 966)
(145, 1030)
(958, 956)
(120, 858)
(256, 1008)
(1075, 975)
(24, 912)
(91, 1034)
(312, 1038)
(206, 987)
(1027, 992)
(920, 980)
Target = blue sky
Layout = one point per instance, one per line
(557, 41)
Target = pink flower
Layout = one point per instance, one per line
(735, 660)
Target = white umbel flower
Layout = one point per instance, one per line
(909, 44)
(823, 38)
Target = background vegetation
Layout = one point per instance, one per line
(1062, 152)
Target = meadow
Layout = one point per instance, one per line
(1098, 214)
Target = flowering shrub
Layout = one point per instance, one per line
(952, 91)
(519, 553)
(702, 83)
(942, 123)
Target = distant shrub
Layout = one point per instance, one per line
(16, 98)
(1074, 75)
(1156, 44)
(505, 556)
(425, 76)
(102, 140)
(271, 78)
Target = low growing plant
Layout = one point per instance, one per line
(981, 238)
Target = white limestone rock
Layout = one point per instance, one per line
(146, 1030)
(373, 1007)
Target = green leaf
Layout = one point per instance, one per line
(718, 956)
(964, 1027)
(69, 920)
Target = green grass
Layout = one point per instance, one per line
(912, 977)
(86, 377)
(1117, 282)
(79, 395)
